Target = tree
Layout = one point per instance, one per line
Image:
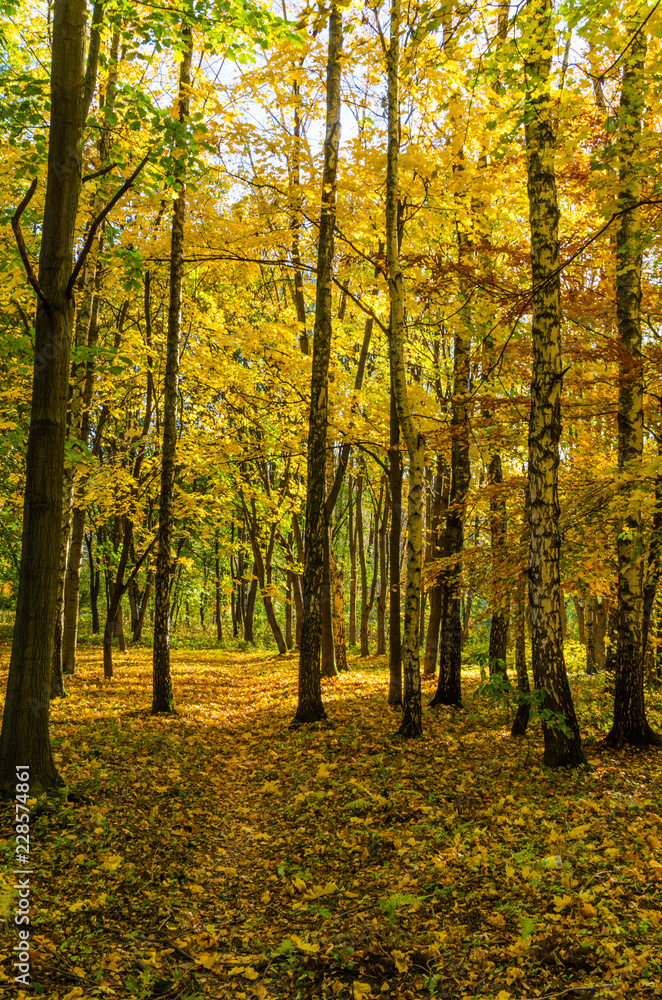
(411, 703)
(562, 740)
(162, 697)
(630, 724)
(310, 707)
(24, 739)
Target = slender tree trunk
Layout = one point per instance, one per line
(328, 649)
(95, 583)
(440, 497)
(562, 746)
(591, 667)
(521, 720)
(310, 707)
(383, 578)
(500, 601)
(249, 613)
(412, 711)
(581, 621)
(289, 635)
(338, 615)
(599, 631)
(352, 564)
(630, 725)
(87, 333)
(25, 736)
(394, 611)
(217, 585)
(449, 686)
(162, 696)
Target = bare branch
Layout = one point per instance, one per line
(16, 226)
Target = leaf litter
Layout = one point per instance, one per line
(220, 853)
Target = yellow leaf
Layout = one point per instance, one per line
(503, 995)
(259, 991)
(303, 945)
(560, 902)
(496, 920)
(237, 971)
(270, 786)
(578, 831)
(73, 994)
(323, 771)
(510, 871)
(250, 973)
(321, 890)
(207, 959)
(299, 883)
(361, 990)
(265, 897)
(112, 862)
(400, 959)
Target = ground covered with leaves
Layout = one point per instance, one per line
(218, 853)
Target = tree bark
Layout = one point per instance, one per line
(411, 725)
(394, 610)
(310, 707)
(591, 667)
(562, 746)
(162, 694)
(630, 725)
(25, 737)
(440, 495)
(217, 585)
(581, 621)
(500, 602)
(521, 720)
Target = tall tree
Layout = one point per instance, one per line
(563, 746)
(411, 703)
(310, 707)
(24, 739)
(630, 724)
(162, 696)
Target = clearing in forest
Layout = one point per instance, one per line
(218, 853)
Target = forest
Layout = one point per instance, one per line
(330, 499)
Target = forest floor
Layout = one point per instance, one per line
(218, 853)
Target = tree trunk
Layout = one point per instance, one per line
(562, 746)
(25, 737)
(439, 505)
(500, 601)
(217, 585)
(521, 720)
(162, 695)
(95, 583)
(289, 635)
(338, 615)
(630, 725)
(352, 564)
(394, 611)
(449, 686)
(310, 707)
(87, 333)
(383, 579)
(249, 613)
(599, 631)
(581, 623)
(328, 649)
(412, 712)
(589, 604)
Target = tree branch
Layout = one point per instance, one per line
(97, 222)
(20, 242)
